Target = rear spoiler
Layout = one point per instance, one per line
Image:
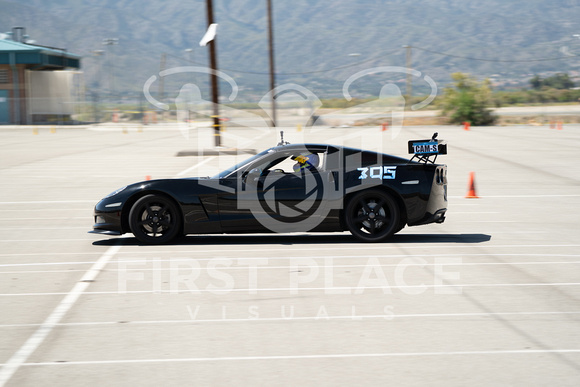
(423, 150)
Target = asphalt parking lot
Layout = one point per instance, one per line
(490, 297)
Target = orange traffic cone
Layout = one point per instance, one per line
(148, 177)
(471, 187)
(466, 125)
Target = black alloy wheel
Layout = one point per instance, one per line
(372, 216)
(154, 219)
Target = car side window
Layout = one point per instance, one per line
(285, 165)
(291, 162)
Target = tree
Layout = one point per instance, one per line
(559, 81)
(536, 82)
(468, 100)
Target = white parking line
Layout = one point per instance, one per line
(353, 317)
(38, 337)
(55, 218)
(237, 258)
(51, 202)
(476, 212)
(36, 210)
(305, 357)
(518, 196)
(44, 240)
(263, 267)
(283, 248)
(205, 161)
(43, 228)
(298, 289)
(489, 221)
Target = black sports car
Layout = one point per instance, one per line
(288, 188)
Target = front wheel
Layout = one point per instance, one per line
(372, 216)
(154, 219)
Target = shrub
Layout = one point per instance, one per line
(468, 101)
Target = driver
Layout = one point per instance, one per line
(306, 161)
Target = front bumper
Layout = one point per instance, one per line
(104, 232)
(107, 218)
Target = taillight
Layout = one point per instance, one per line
(441, 175)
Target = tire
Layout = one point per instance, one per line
(401, 226)
(372, 216)
(154, 219)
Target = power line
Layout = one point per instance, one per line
(391, 53)
(298, 73)
(497, 60)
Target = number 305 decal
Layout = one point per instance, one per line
(382, 173)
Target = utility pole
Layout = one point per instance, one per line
(108, 42)
(272, 67)
(161, 79)
(409, 88)
(99, 87)
(213, 77)
(189, 51)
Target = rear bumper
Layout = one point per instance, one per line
(437, 217)
(437, 204)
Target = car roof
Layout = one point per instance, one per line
(309, 146)
(322, 147)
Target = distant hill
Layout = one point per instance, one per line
(509, 40)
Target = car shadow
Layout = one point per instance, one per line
(298, 239)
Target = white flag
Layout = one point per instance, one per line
(209, 35)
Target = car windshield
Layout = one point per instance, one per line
(234, 168)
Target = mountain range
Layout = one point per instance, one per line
(318, 44)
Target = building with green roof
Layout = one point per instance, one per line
(35, 81)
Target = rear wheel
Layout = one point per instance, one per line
(372, 216)
(154, 219)
(401, 226)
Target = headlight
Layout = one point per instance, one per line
(115, 192)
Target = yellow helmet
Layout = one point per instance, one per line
(306, 161)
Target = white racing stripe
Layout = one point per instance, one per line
(21, 356)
